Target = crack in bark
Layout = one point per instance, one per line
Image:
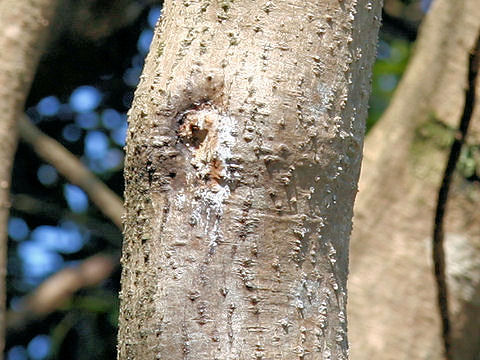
(438, 230)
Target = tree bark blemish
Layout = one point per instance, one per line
(209, 136)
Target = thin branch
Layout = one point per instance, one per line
(58, 288)
(438, 231)
(73, 170)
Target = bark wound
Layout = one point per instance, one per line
(208, 135)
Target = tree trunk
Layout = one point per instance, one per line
(392, 303)
(243, 154)
(23, 30)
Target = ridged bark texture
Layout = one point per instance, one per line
(23, 30)
(243, 154)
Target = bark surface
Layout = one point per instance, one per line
(243, 154)
(392, 296)
(23, 31)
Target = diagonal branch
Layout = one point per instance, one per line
(58, 288)
(73, 170)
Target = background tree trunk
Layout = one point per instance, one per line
(23, 30)
(392, 303)
(243, 154)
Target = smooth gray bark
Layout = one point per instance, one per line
(393, 313)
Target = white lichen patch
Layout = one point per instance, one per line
(208, 211)
(463, 266)
(179, 200)
(209, 136)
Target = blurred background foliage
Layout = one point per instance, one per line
(83, 89)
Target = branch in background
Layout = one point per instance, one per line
(73, 170)
(438, 231)
(392, 235)
(24, 27)
(58, 288)
(54, 291)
